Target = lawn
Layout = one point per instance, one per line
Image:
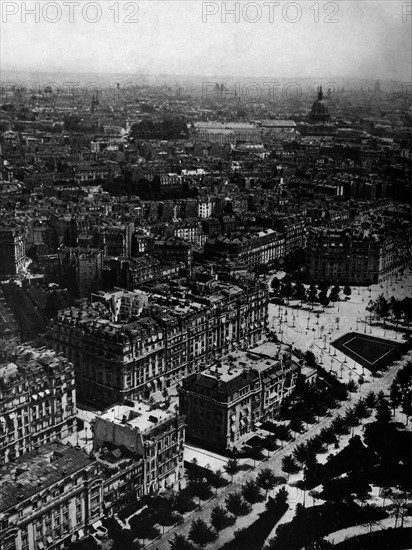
(371, 352)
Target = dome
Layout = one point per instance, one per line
(319, 112)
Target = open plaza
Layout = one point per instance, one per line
(372, 345)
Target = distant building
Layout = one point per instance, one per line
(261, 248)
(173, 250)
(37, 400)
(223, 404)
(80, 269)
(319, 112)
(116, 238)
(12, 249)
(156, 435)
(355, 255)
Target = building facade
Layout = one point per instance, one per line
(355, 256)
(122, 351)
(37, 400)
(49, 497)
(155, 435)
(261, 248)
(223, 404)
(12, 250)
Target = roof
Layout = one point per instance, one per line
(278, 124)
(38, 470)
(225, 380)
(137, 415)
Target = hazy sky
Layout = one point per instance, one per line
(369, 39)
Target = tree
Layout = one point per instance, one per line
(407, 309)
(351, 386)
(282, 433)
(315, 445)
(165, 514)
(236, 505)
(328, 436)
(270, 443)
(312, 296)
(296, 425)
(180, 542)
(396, 307)
(383, 412)
(301, 453)
(339, 426)
(183, 502)
(232, 467)
(286, 288)
(267, 480)
(200, 488)
(200, 533)
(382, 307)
(370, 400)
(281, 497)
(220, 519)
(347, 290)
(401, 386)
(361, 410)
(256, 454)
(251, 492)
(289, 465)
(217, 480)
(351, 418)
(142, 527)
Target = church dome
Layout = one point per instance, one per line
(319, 112)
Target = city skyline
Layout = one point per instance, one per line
(339, 39)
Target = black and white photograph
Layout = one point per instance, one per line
(205, 275)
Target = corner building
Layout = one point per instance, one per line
(223, 404)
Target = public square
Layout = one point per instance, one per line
(313, 328)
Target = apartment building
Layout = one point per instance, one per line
(121, 351)
(48, 497)
(355, 255)
(37, 400)
(173, 250)
(80, 269)
(12, 249)
(155, 434)
(260, 248)
(225, 403)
